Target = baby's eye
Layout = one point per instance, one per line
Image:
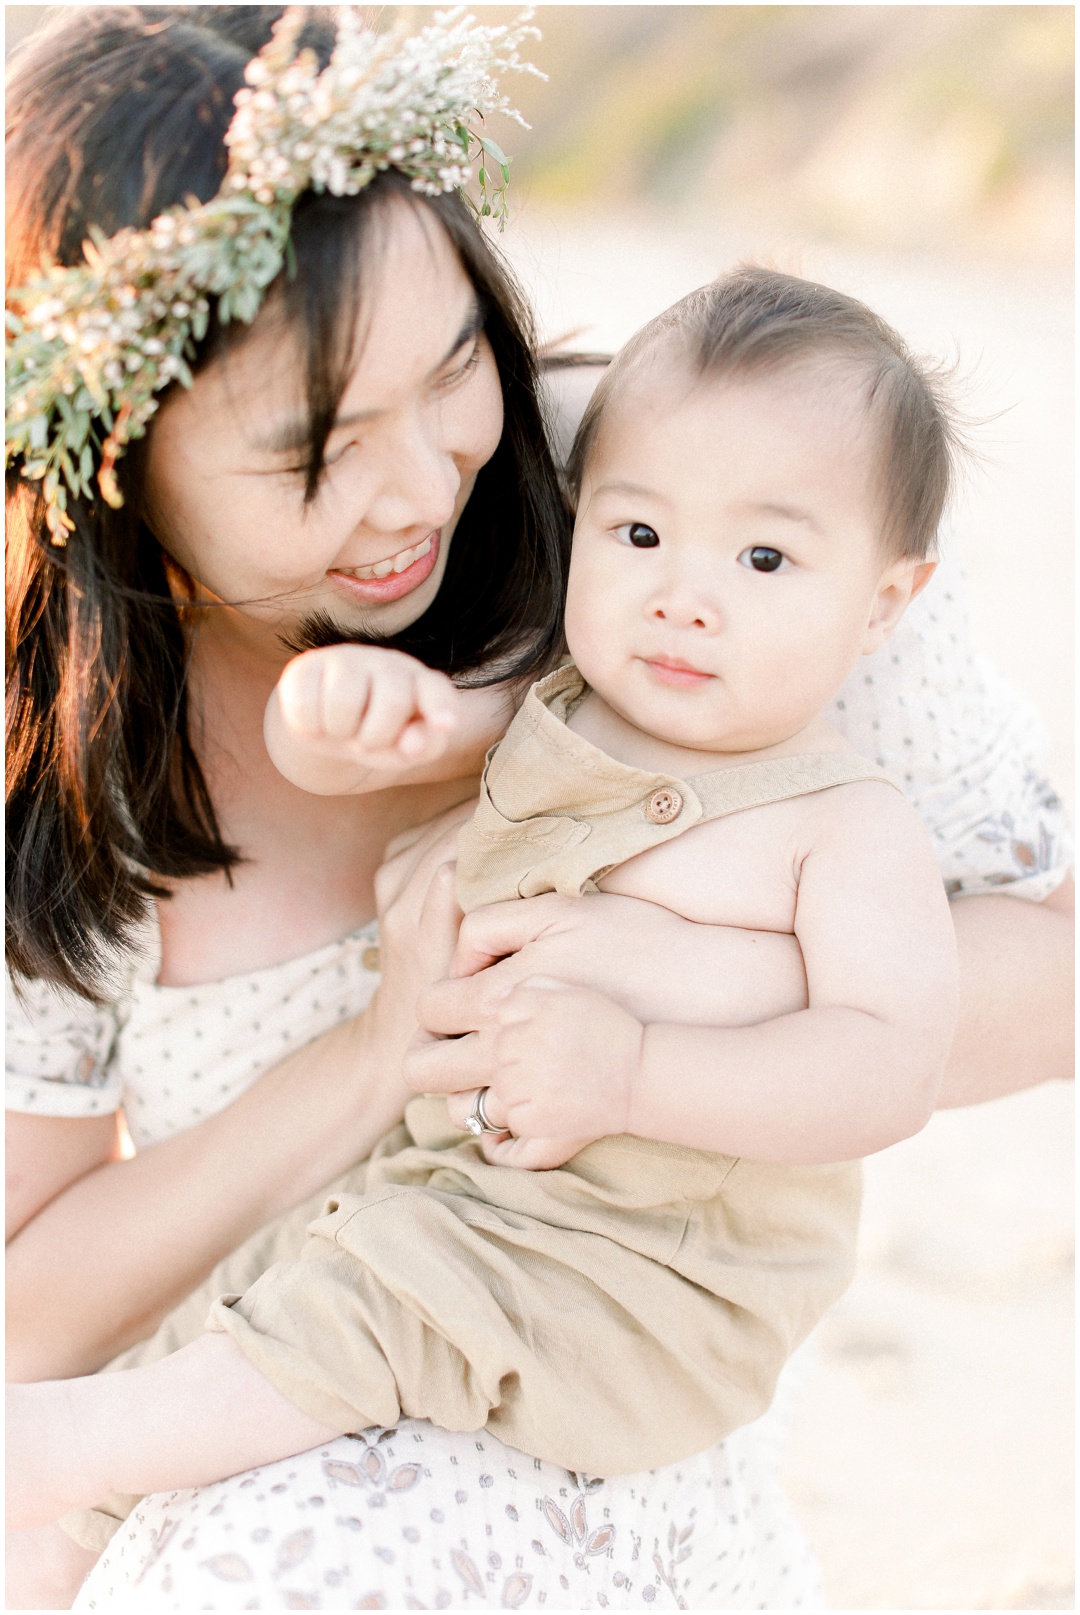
(762, 558)
(639, 534)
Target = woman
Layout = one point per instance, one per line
(270, 894)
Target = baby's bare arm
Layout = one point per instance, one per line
(860, 1067)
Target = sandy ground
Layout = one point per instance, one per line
(931, 1455)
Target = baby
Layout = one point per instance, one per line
(758, 482)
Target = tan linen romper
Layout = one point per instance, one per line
(618, 1313)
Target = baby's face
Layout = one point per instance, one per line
(727, 568)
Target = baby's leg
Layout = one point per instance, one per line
(281, 1240)
(44, 1569)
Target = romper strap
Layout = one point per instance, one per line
(777, 779)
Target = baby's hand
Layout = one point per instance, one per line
(340, 713)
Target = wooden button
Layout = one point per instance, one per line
(663, 806)
(370, 958)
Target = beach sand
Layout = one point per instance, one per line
(930, 1456)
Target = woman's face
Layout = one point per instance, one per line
(421, 413)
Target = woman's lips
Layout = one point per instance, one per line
(395, 583)
(678, 674)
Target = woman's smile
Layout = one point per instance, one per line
(392, 578)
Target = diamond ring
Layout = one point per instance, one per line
(478, 1121)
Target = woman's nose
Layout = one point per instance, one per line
(417, 485)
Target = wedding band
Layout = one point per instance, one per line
(478, 1120)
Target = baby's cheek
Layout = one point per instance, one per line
(593, 616)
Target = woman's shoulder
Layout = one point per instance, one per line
(60, 1045)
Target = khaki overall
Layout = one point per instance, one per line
(616, 1314)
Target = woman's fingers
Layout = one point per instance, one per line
(446, 1065)
(493, 932)
(418, 853)
(448, 1008)
(530, 1154)
(460, 1106)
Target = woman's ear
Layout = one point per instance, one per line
(897, 588)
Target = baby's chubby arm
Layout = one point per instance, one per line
(346, 719)
(858, 1069)
(855, 1071)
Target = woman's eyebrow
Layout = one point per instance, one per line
(289, 436)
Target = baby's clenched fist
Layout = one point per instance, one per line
(339, 714)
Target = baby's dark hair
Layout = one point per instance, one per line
(758, 320)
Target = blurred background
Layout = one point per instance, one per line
(919, 157)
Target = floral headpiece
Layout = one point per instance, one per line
(96, 343)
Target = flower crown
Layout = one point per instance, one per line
(98, 341)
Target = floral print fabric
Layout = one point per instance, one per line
(418, 1518)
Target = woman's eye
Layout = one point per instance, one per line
(332, 459)
(463, 369)
(762, 558)
(640, 535)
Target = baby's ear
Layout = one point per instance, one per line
(897, 588)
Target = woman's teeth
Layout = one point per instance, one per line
(394, 563)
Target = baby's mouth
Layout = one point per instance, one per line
(393, 563)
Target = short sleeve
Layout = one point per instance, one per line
(964, 745)
(60, 1052)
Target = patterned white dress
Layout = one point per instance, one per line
(416, 1517)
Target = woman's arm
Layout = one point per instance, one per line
(110, 1253)
(1016, 995)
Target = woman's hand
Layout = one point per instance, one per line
(418, 928)
(554, 991)
(650, 961)
(559, 1065)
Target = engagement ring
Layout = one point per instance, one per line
(478, 1121)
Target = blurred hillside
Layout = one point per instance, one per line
(939, 129)
(946, 129)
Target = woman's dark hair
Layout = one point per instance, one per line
(116, 113)
(759, 320)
